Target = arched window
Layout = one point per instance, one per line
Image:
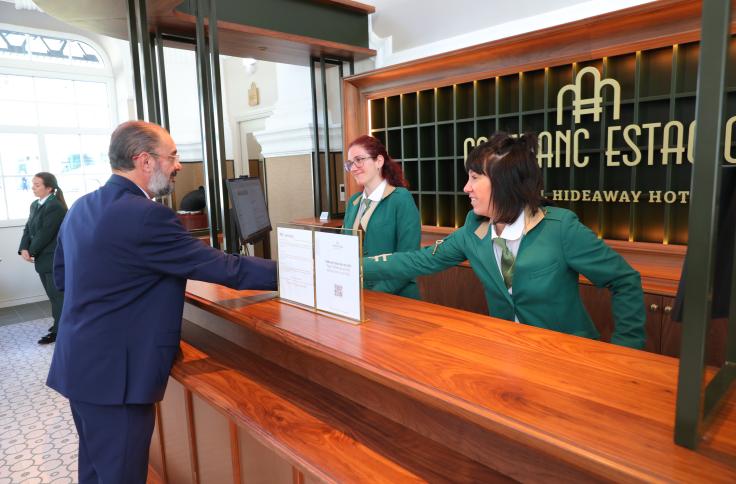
(57, 109)
(46, 48)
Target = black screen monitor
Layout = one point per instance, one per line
(249, 207)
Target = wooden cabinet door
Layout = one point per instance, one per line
(456, 287)
(671, 330)
(715, 349)
(653, 326)
(597, 302)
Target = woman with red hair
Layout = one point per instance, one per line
(385, 210)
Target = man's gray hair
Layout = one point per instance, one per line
(131, 139)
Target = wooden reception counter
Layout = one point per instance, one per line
(268, 392)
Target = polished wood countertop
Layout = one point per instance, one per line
(604, 410)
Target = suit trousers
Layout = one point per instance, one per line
(56, 297)
(113, 442)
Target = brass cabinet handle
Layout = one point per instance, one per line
(667, 309)
(654, 308)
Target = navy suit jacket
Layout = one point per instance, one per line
(123, 261)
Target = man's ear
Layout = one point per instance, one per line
(144, 162)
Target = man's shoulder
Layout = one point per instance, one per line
(110, 195)
(132, 207)
(157, 210)
(113, 206)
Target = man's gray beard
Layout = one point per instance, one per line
(160, 184)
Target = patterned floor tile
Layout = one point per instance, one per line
(38, 441)
(9, 316)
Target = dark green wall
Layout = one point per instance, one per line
(425, 131)
(300, 17)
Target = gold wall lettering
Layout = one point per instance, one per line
(621, 196)
(560, 148)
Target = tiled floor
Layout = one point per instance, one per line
(26, 312)
(38, 441)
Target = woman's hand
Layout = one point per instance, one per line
(26, 255)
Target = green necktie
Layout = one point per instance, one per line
(364, 207)
(507, 261)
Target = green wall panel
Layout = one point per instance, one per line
(655, 87)
(300, 17)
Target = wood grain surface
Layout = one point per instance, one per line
(603, 409)
(329, 436)
(491, 449)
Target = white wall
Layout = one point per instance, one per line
(405, 30)
(243, 119)
(19, 283)
(183, 100)
(236, 79)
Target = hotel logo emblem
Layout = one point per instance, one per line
(592, 105)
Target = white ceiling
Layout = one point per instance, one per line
(412, 23)
(419, 28)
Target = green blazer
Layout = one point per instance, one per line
(391, 225)
(39, 234)
(554, 250)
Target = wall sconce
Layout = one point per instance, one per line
(250, 65)
(253, 97)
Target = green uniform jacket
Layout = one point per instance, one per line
(391, 225)
(555, 249)
(39, 235)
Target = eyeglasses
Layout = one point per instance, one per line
(357, 161)
(176, 158)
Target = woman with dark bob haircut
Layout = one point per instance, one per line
(384, 210)
(528, 256)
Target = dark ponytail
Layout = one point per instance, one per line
(49, 181)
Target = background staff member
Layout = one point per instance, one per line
(528, 257)
(384, 210)
(39, 240)
(124, 261)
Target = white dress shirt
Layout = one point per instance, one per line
(377, 192)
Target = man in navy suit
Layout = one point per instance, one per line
(123, 261)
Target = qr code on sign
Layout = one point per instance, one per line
(338, 290)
